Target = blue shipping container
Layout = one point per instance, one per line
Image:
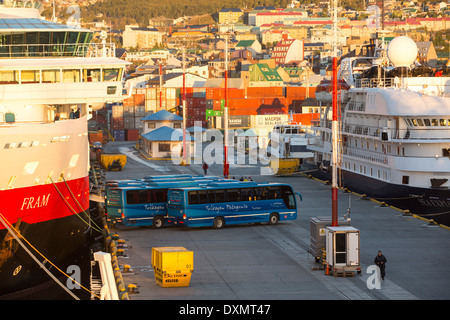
(119, 135)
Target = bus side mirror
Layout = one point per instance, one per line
(301, 198)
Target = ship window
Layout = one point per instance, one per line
(420, 122)
(427, 122)
(51, 76)
(434, 122)
(446, 152)
(442, 122)
(9, 77)
(111, 74)
(91, 75)
(72, 75)
(414, 122)
(30, 76)
(405, 180)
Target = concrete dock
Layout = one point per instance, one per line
(264, 262)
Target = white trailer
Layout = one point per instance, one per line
(343, 249)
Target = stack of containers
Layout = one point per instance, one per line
(172, 266)
(117, 122)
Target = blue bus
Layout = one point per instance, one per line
(218, 204)
(143, 205)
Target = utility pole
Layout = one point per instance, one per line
(225, 115)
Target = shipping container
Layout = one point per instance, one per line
(172, 266)
(268, 121)
(258, 92)
(119, 135)
(132, 134)
(117, 111)
(117, 123)
(300, 92)
(239, 121)
(95, 136)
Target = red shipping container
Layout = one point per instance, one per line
(234, 93)
(118, 123)
(132, 134)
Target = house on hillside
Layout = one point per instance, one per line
(261, 75)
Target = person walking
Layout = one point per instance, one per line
(380, 261)
(205, 167)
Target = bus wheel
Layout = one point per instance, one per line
(218, 223)
(274, 218)
(158, 222)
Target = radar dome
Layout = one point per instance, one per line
(402, 51)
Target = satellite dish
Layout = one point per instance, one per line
(402, 51)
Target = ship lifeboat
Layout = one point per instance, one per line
(325, 88)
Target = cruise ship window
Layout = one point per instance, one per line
(434, 122)
(30, 76)
(420, 122)
(91, 75)
(442, 122)
(405, 180)
(72, 75)
(427, 122)
(9, 77)
(111, 74)
(51, 76)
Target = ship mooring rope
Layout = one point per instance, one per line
(15, 233)
(72, 209)
(79, 204)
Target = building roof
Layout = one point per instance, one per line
(166, 134)
(162, 115)
(230, 9)
(245, 43)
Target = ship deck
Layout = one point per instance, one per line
(263, 262)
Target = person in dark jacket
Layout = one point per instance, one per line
(380, 261)
(205, 167)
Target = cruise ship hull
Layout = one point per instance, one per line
(428, 203)
(53, 236)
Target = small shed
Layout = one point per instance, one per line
(166, 142)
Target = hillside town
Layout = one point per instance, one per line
(276, 57)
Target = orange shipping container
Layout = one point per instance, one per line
(257, 92)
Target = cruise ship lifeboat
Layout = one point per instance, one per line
(325, 88)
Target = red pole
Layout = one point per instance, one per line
(334, 194)
(160, 84)
(225, 115)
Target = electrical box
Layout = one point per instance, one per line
(342, 248)
(318, 234)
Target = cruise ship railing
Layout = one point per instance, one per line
(366, 155)
(56, 50)
(430, 133)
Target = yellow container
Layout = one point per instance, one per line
(107, 160)
(284, 166)
(173, 266)
(172, 279)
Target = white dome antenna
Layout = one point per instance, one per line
(402, 51)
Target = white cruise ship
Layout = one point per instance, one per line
(51, 78)
(394, 131)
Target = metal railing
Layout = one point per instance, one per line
(56, 50)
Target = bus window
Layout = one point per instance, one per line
(193, 197)
(288, 197)
(274, 193)
(220, 195)
(233, 195)
(202, 197)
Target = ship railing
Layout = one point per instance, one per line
(376, 82)
(432, 133)
(366, 155)
(56, 50)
